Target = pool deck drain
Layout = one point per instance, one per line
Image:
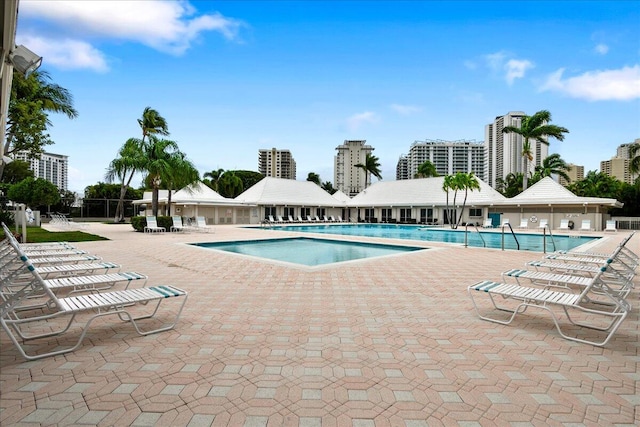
(364, 344)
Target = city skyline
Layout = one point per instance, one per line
(232, 78)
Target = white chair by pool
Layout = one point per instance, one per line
(524, 223)
(564, 224)
(177, 224)
(201, 225)
(505, 222)
(488, 223)
(152, 226)
(611, 225)
(586, 225)
(543, 223)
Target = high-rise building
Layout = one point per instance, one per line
(618, 166)
(504, 150)
(448, 157)
(348, 178)
(402, 168)
(576, 173)
(276, 163)
(52, 167)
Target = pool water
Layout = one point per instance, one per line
(527, 241)
(308, 251)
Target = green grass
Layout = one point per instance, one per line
(40, 235)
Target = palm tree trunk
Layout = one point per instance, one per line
(525, 175)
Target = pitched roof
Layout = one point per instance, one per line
(421, 192)
(548, 191)
(197, 192)
(341, 196)
(278, 191)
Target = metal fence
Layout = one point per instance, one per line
(101, 208)
(627, 222)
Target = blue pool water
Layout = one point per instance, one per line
(308, 251)
(529, 242)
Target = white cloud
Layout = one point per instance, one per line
(501, 62)
(168, 26)
(515, 69)
(66, 54)
(601, 48)
(357, 120)
(617, 85)
(405, 110)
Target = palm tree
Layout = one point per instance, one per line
(448, 184)
(554, 165)
(152, 123)
(426, 170)
(213, 178)
(181, 173)
(129, 161)
(230, 185)
(157, 164)
(31, 99)
(371, 166)
(634, 158)
(535, 128)
(314, 177)
(511, 185)
(467, 182)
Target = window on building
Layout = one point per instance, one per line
(269, 210)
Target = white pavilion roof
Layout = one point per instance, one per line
(278, 191)
(548, 191)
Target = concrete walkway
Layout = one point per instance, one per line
(391, 341)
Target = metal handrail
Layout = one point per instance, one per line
(514, 235)
(484, 244)
(544, 239)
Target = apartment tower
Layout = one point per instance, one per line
(448, 157)
(52, 167)
(504, 150)
(276, 163)
(348, 178)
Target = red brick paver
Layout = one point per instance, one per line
(392, 341)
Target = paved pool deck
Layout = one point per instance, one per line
(392, 341)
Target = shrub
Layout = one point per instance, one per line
(140, 222)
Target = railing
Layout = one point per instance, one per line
(512, 233)
(544, 239)
(627, 222)
(484, 244)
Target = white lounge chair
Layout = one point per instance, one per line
(524, 223)
(524, 297)
(271, 219)
(300, 219)
(291, 219)
(124, 303)
(177, 224)
(505, 222)
(201, 225)
(564, 224)
(586, 225)
(543, 223)
(488, 223)
(152, 226)
(611, 225)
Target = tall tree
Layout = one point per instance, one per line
(32, 99)
(511, 185)
(230, 185)
(212, 178)
(426, 170)
(152, 123)
(371, 166)
(467, 182)
(314, 177)
(553, 165)
(129, 161)
(596, 184)
(157, 164)
(181, 173)
(447, 185)
(535, 129)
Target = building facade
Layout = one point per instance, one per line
(52, 167)
(504, 150)
(576, 173)
(276, 163)
(402, 168)
(448, 157)
(618, 166)
(348, 178)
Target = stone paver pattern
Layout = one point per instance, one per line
(390, 341)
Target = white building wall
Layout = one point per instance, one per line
(52, 167)
(347, 178)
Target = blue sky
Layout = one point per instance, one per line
(233, 77)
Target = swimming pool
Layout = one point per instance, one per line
(308, 251)
(527, 241)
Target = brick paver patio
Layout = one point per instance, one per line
(391, 341)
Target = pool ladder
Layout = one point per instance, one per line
(484, 244)
(512, 233)
(544, 239)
